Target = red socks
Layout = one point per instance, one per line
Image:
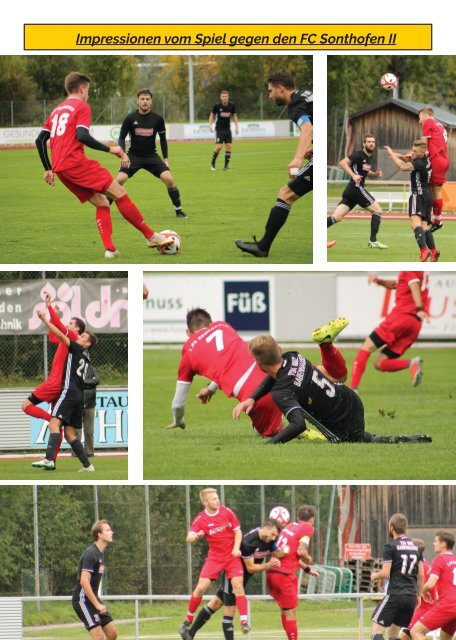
(192, 605)
(359, 366)
(104, 224)
(242, 607)
(333, 361)
(392, 364)
(132, 214)
(291, 628)
(36, 412)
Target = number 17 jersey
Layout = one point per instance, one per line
(219, 353)
(405, 558)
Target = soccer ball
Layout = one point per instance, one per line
(388, 81)
(171, 249)
(281, 514)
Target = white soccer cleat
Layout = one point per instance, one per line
(44, 464)
(88, 469)
(377, 245)
(111, 254)
(157, 240)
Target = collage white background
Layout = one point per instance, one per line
(235, 11)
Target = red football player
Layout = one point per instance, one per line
(399, 330)
(436, 136)
(222, 530)
(68, 129)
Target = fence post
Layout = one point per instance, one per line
(189, 546)
(148, 541)
(36, 540)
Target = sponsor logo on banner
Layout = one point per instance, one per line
(110, 427)
(247, 305)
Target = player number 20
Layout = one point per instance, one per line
(59, 123)
(82, 369)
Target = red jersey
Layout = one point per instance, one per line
(427, 572)
(59, 360)
(66, 150)
(218, 530)
(219, 353)
(436, 136)
(404, 298)
(444, 567)
(291, 537)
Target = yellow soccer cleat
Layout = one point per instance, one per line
(328, 332)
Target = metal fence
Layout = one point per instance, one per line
(113, 110)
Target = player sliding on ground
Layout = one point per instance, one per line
(68, 128)
(303, 392)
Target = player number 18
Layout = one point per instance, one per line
(59, 123)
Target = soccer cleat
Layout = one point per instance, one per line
(184, 630)
(375, 244)
(88, 469)
(416, 371)
(435, 226)
(245, 627)
(181, 214)
(435, 255)
(251, 247)
(399, 439)
(226, 168)
(44, 464)
(158, 240)
(425, 254)
(328, 332)
(330, 243)
(111, 253)
(213, 167)
(311, 434)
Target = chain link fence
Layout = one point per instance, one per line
(28, 358)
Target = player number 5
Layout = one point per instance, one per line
(322, 383)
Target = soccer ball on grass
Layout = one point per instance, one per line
(171, 249)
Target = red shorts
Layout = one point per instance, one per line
(266, 416)
(86, 179)
(441, 616)
(212, 568)
(399, 331)
(439, 165)
(420, 611)
(283, 588)
(48, 391)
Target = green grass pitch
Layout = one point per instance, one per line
(213, 446)
(50, 225)
(324, 620)
(353, 235)
(115, 468)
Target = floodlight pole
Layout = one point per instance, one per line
(191, 91)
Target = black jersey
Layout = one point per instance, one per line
(252, 546)
(405, 557)
(299, 385)
(76, 366)
(420, 177)
(92, 560)
(223, 115)
(300, 109)
(360, 163)
(142, 130)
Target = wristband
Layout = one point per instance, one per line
(306, 570)
(419, 309)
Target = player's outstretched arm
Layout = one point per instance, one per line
(418, 300)
(245, 406)
(194, 536)
(206, 394)
(388, 284)
(41, 145)
(403, 166)
(305, 567)
(383, 574)
(296, 426)
(178, 405)
(61, 336)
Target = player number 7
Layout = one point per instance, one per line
(218, 337)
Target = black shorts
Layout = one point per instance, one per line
(303, 183)
(68, 408)
(394, 609)
(421, 205)
(223, 136)
(88, 615)
(351, 428)
(153, 165)
(225, 591)
(353, 196)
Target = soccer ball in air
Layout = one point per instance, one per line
(388, 81)
(171, 249)
(281, 514)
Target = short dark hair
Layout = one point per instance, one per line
(282, 77)
(97, 528)
(224, 91)
(145, 92)
(270, 522)
(79, 322)
(429, 111)
(265, 350)
(306, 512)
(74, 80)
(93, 338)
(198, 318)
(399, 522)
(446, 537)
(368, 135)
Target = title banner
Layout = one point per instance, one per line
(225, 37)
